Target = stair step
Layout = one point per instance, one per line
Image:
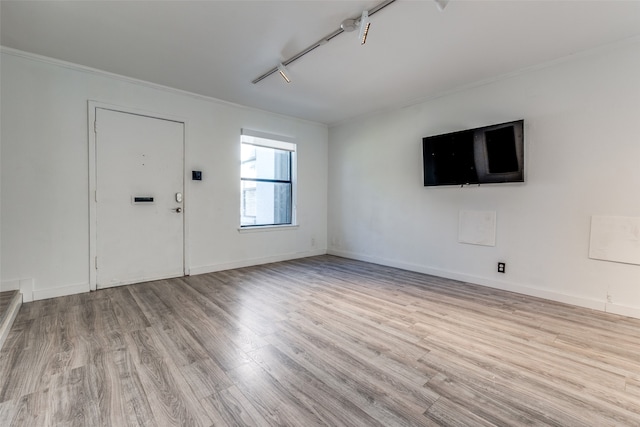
(10, 303)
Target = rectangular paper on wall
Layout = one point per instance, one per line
(615, 238)
(477, 228)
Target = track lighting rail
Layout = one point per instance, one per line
(319, 43)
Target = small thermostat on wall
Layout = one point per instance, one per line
(196, 175)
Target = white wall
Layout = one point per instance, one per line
(45, 207)
(582, 158)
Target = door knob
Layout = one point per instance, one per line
(178, 210)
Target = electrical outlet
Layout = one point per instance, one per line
(501, 267)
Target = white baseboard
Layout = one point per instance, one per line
(141, 279)
(25, 286)
(61, 291)
(254, 261)
(29, 294)
(623, 310)
(497, 284)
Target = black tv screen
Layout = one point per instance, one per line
(490, 154)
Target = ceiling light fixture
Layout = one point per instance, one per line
(365, 24)
(347, 25)
(284, 73)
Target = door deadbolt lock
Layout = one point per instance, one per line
(179, 197)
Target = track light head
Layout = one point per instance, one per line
(365, 24)
(284, 73)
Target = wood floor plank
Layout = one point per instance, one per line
(227, 341)
(376, 363)
(314, 342)
(534, 351)
(229, 407)
(499, 377)
(632, 387)
(155, 310)
(167, 392)
(128, 313)
(316, 396)
(206, 377)
(371, 372)
(129, 399)
(361, 389)
(446, 412)
(33, 410)
(274, 402)
(184, 349)
(489, 397)
(7, 412)
(74, 404)
(567, 378)
(28, 359)
(494, 410)
(365, 335)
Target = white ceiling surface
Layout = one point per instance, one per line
(216, 48)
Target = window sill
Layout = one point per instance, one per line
(261, 228)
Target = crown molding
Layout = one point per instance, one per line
(101, 73)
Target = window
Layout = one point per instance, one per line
(267, 178)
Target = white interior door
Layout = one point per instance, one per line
(139, 187)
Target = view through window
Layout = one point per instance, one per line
(267, 180)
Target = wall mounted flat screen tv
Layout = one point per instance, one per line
(486, 155)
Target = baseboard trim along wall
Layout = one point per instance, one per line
(25, 286)
(254, 261)
(502, 285)
(29, 294)
(61, 291)
(622, 310)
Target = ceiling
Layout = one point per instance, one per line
(216, 48)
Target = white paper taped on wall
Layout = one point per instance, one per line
(615, 238)
(477, 228)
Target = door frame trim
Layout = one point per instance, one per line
(92, 106)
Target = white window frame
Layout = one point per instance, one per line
(278, 142)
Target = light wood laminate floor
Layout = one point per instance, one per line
(317, 341)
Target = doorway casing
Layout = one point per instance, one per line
(92, 107)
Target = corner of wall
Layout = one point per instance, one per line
(25, 286)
